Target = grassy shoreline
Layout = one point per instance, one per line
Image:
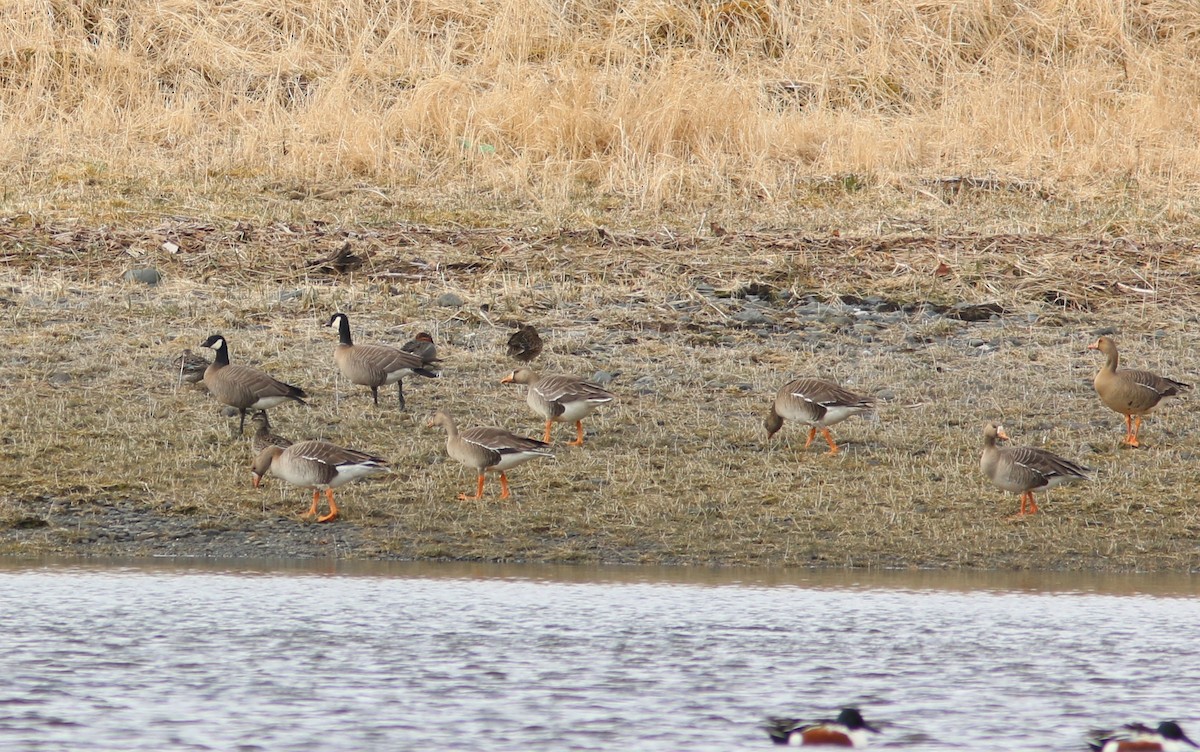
(109, 456)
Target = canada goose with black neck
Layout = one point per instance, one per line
(374, 366)
(243, 387)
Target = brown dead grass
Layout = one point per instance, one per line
(678, 471)
(854, 115)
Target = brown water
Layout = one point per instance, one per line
(332, 656)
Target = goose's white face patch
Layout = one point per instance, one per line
(217, 343)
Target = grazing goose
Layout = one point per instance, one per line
(488, 449)
(317, 465)
(263, 436)
(190, 367)
(524, 345)
(374, 365)
(847, 730)
(817, 404)
(1131, 393)
(1136, 737)
(244, 387)
(1024, 470)
(423, 347)
(560, 399)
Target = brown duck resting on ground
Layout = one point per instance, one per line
(525, 344)
(244, 387)
(1131, 393)
(374, 366)
(488, 450)
(318, 465)
(423, 347)
(190, 367)
(818, 404)
(263, 436)
(1024, 470)
(560, 399)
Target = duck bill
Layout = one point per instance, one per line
(255, 479)
(1094, 346)
(507, 379)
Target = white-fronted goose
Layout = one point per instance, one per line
(488, 450)
(525, 344)
(423, 347)
(263, 436)
(374, 366)
(244, 387)
(1024, 470)
(560, 399)
(190, 367)
(815, 403)
(318, 465)
(847, 730)
(1129, 392)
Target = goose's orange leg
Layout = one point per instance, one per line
(833, 448)
(579, 437)
(333, 510)
(812, 432)
(312, 511)
(1021, 514)
(546, 438)
(1033, 507)
(478, 491)
(503, 485)
(1137, 426)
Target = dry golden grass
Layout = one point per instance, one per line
(679, 469)
(855, 115)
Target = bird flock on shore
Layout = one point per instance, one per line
(559, 398)
(322, 466)
(849, 729)
(818, 404)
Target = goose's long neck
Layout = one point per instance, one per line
(344, 331)
(222, 356)
(1111, 359)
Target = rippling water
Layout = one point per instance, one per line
(438, 658)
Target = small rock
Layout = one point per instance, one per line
(887, 395)
(975, 342)
(750, 316)
(59, 378)
(604, 378)
(449, 300)
(229, 412)
(145, 276)
(287, 295)
(1104, 331)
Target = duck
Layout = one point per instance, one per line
(488, 449)
(263, 436)
(1137, 737)
(422, 345)
(243, 387)
(190, 367)
(818, 404)
(1024, 470)
(560, 399)
(1131, 393)
(525, 344)
(318, 465)
(847, 730)
(374, 366)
